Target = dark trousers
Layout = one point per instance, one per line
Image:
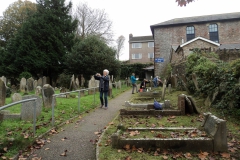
(105, 98)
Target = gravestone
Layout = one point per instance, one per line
(28, 107)
(38, 90)
(188, 106)
(194, 78)
(184, 81)
(167, 104)
(169, 88)
(181, 103)
(4, 79)
(47, 94)
(35, 84)
(77, 82)
(73, 85)
(45, 80)
(30, 86)
(40, 82)
(23, 84)
(82, 81)
(63, 90)
(3, 90)
(93, 84)
(16, 97)
(163, 91)
(217, 129)
(13, 89)
(110, 89)
(129, 82)
(119, 84)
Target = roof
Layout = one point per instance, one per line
(149, 68)
(198, 19)
(141, 39)
(197, 38)
(230, 46)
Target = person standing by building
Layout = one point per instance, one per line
(103, 87)
(134, 85)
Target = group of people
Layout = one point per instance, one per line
(104, 85)
(133, 79)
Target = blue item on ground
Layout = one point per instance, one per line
(157, 105)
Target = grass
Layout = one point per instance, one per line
(16, 135)
(106, 152)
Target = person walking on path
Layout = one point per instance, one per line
(134, 85)
(103, 87)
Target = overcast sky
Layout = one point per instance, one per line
(136, 16)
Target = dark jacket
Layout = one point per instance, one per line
(103, 83)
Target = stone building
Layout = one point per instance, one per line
(141, 49)
(176, 38)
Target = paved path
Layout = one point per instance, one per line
(78, 140)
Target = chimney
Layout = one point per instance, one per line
(130, 36)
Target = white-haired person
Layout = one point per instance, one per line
(103, 87)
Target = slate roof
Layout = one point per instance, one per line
(141, 39)
(230, 46)
(199, 19)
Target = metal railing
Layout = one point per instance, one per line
(34, 110)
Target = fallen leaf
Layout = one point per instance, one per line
(188, 155)
(64, 153)
(5, 149)
(36, 158)
(165, 157)
(3, 157)
(225, 155)
(128, 158)
(127, 147)
(156, 153)
(47, 149)
(119, 150)
(134, 148)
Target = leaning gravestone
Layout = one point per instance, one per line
(163, 91)
(73, 85)
(110, 89)
(16, 97)
(169, 88)
(30, 86)
(23, 84)
(4, 79)
(77, 82)
(3, 90)
(82, 81)
(47, 94)
(28, 107)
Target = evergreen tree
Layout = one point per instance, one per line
(41, 45)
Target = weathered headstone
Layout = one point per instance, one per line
(184, 81)
(167, 104)
(194, 78)
(38, 90)
(82, 81)
(119, 84)
(47, 94)
(44, 80)
(16, 97)
(93, 84)
(4, 79)
(73, 85)
(35, 84)
(110, 89)
(3, 90)
(28, 107)
(217, 129)
(13, 89)
(77, 82)
(40, 82)
(30, 86)
(23, 84)
(181, 103)
(169, 88)
(163, 91)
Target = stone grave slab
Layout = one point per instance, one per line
(28, 107)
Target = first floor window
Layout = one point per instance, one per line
(137, 56)
(213, 32)
(136, 45)
(190, 30)
(150, 44)
(150, 55)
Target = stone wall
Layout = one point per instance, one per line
(165, 37)
(228, 55)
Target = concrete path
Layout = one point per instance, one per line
(78, 140)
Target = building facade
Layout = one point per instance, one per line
(177, 37)
(141, 49)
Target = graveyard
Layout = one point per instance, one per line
(16, 130)
(140, 132)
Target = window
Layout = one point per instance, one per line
(213, 32)
(150, 44)
(137, 56)
(190, 33)
(150, 55)
(136, 45)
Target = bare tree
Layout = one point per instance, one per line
(93, 22)
(120, 44)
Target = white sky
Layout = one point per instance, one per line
(136, 16)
